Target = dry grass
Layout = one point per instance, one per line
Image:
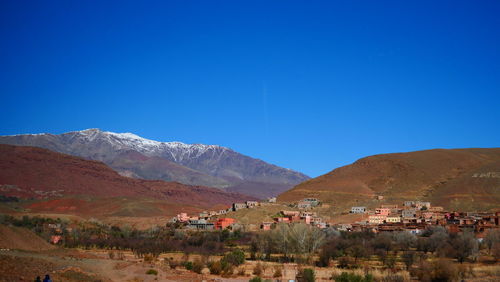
(486, 271)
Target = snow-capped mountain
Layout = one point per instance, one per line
(177, 151)
(194, 164)
(130, 141)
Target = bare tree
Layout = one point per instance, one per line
(492, 238)
(465, 245)
(405, 240)
(306, 239)
(281, 238)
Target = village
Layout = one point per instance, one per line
(411, 216)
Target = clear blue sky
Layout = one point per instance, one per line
(308, 85)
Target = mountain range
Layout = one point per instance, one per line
(457, 179)
(190, 164)
(63, 183)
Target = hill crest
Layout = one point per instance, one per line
(442, 176)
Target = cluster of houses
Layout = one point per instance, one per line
(307, 217)
(204, 220)
(412, 216)
(415, 216)
(410, 212)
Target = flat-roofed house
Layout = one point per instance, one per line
(307, 213)
(358, 209)
(251, 204)
(282, 219)
(266, 225)
(200, 224)
(409, 203)
(383, 211)
(304, 205)
(393, 219)
(182, 217)
(428, 215)
(316, 220)
(409, 213)
(314, 202)
(419, 205)
(376, 219)
(290, 213)
(223, 223)
(436, 209)
(239, 206)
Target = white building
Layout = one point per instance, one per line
(358, 209)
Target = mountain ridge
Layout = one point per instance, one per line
(32, 172)
(192, 164)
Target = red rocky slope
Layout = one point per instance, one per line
(40, 173)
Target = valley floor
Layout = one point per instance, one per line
(96, 265)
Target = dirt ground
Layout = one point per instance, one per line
(12, 237)
(96, 265)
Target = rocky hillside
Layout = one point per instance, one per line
(463, 179)
(30, 172)
(196, 164)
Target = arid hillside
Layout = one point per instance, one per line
(46, 176)
(18, 238)
(464, 179)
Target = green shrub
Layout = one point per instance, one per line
(215, 267)
(235, 257)
(257, 270)
(227, 268)
(255, 279)
(152, 272)
(351, 277)
(307, 275)
(198, 266)
(188, 265)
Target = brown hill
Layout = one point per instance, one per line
(31, 172)
(12, 237)
(455, 179)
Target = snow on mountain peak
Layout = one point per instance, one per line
(177, 150)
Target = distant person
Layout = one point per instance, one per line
(38, 279)
(47, 278)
